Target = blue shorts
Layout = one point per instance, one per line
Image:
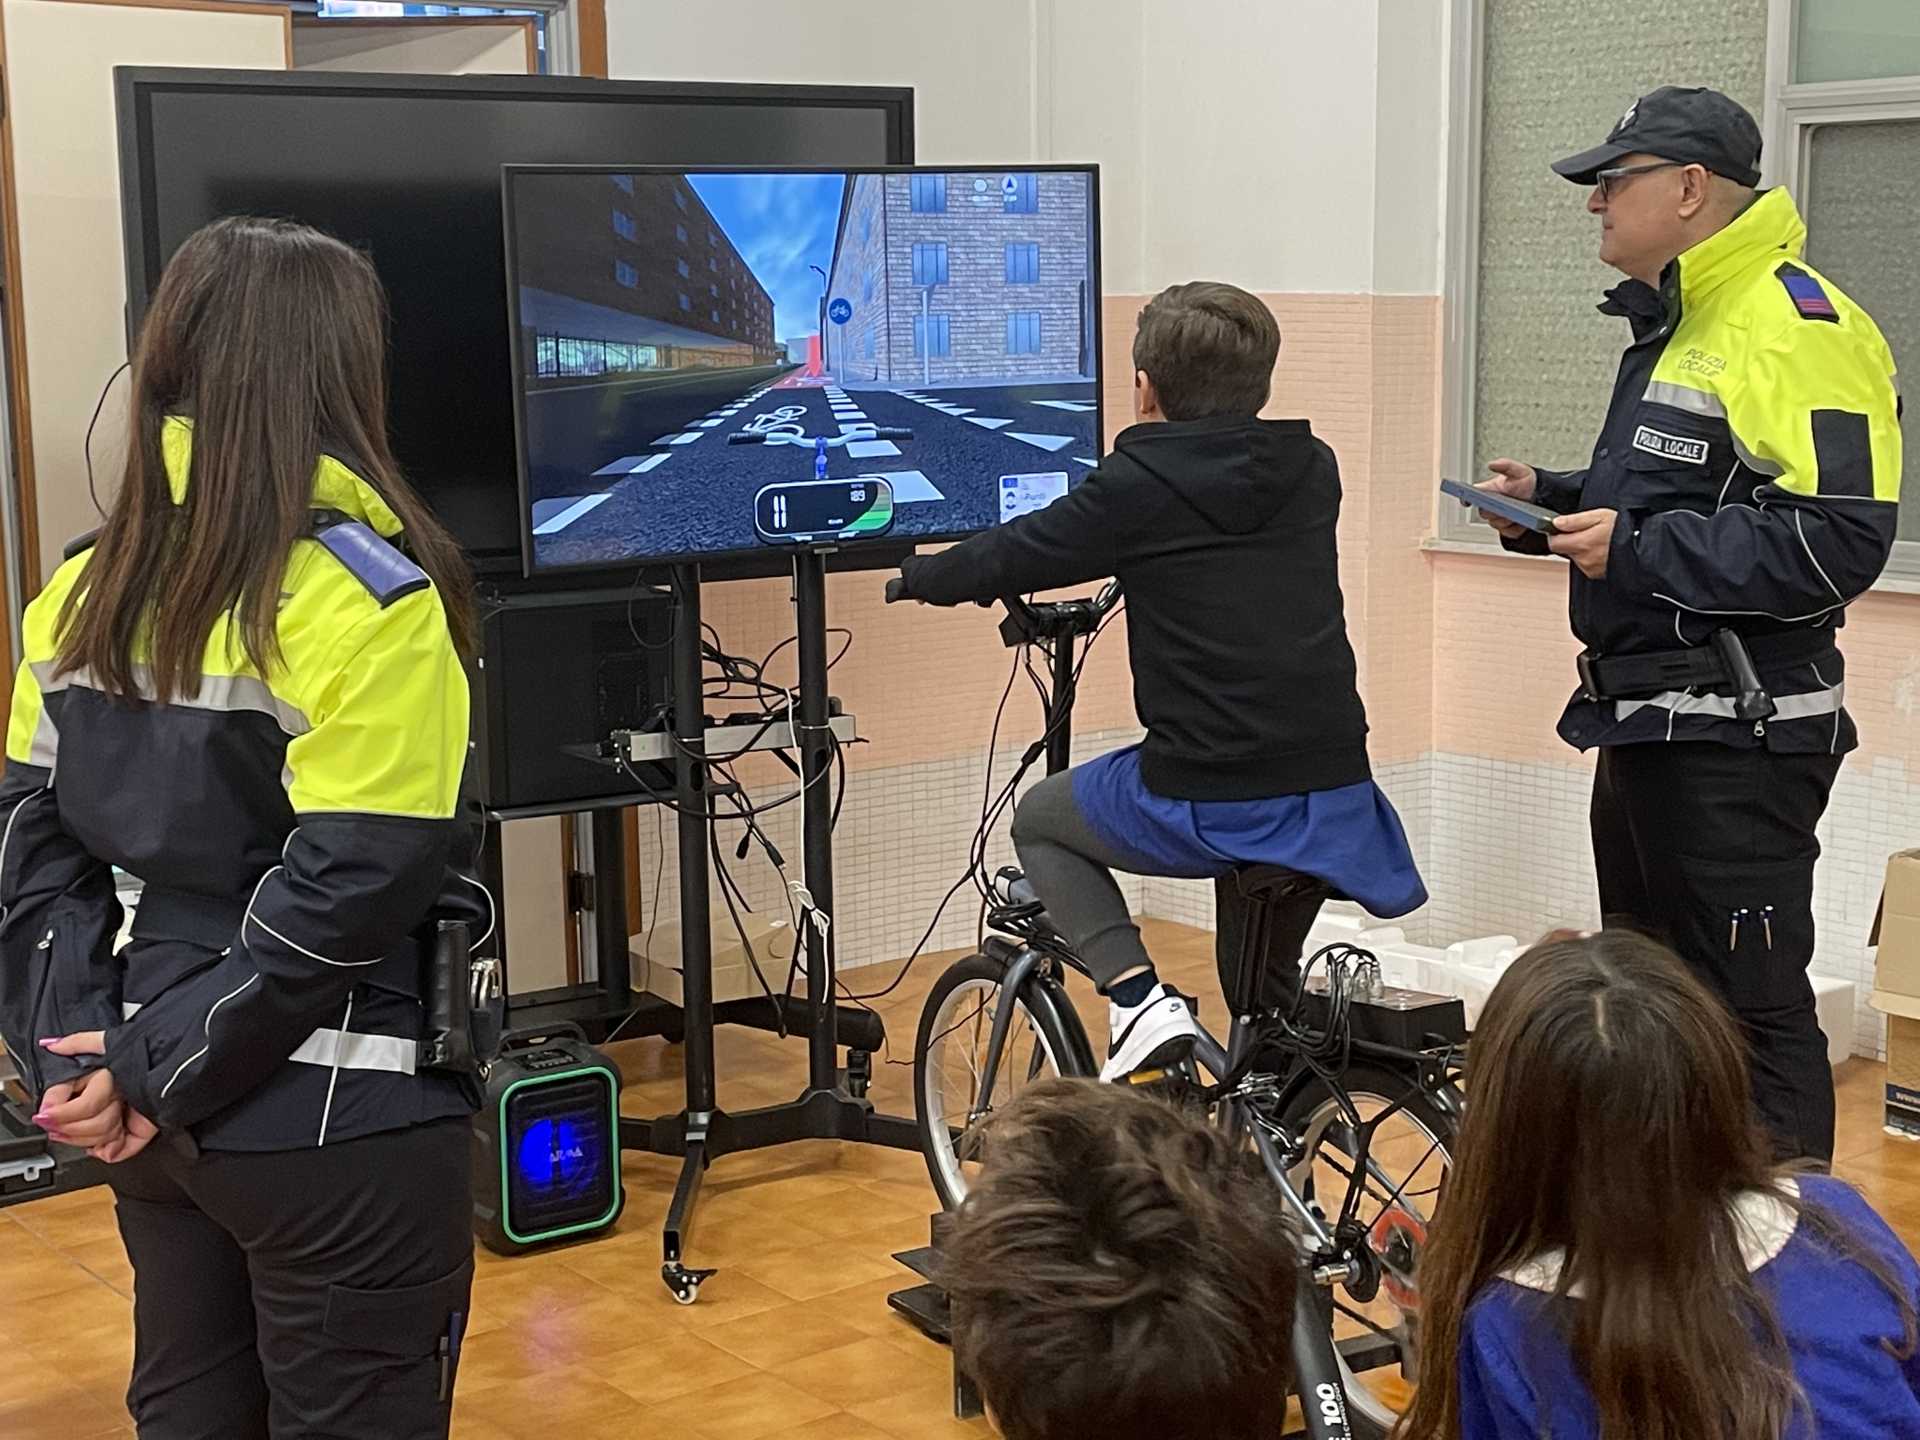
(1351, 838)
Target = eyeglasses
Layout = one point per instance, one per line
(1605, 180)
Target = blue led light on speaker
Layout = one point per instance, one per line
(558, 1154)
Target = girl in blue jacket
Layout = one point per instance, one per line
(1617, 1259)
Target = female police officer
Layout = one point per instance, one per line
(243, 693)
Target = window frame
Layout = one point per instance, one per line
(1025, 199)
(925, 329)
(1029, 325)
(1027, 272)
(937, 251)
(1792, 113)
(920, 185)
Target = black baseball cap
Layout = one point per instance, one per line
(1694, 127)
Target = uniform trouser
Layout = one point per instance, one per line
(1071, 870)
(314, 1294)
(1689, 836)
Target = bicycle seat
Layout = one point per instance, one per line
(1278, 882)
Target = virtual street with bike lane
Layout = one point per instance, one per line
(678, 487)
(953, 312)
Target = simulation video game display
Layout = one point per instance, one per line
(688, 339)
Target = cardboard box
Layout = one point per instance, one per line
(1896, 931)
(733, 976)
(1896, 988)
(1903, 1076)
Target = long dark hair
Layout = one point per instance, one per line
(272, 337)
(1608, 1118)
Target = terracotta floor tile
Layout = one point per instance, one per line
(792, 1340)
(857, 1374)
(775, 1337)
(668, 1366)
(807, 1272)
(749, 1409)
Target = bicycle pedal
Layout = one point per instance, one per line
(1171, 1082)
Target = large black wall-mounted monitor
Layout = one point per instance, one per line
(698, 347)
(408, 168)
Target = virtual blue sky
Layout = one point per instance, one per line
(780, 224)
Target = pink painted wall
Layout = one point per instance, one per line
(1363, 369)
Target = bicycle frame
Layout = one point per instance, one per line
(1324, 1261)
(1316, 1364)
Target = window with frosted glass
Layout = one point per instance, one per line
(1862, 193)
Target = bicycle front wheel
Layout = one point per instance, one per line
(1044, 1039)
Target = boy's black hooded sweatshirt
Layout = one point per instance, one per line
(1221, 532)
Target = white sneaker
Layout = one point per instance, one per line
(1157, 1032)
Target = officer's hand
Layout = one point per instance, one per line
(1512, 478)
(94, 1116)
(1585, 539)
(139, 1134)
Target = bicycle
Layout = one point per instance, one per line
(1326, 1109)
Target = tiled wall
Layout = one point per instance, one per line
(902, 843)
(1465, 662)
(1509, 799)
(924, 683)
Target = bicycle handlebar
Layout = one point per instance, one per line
(1040, 617)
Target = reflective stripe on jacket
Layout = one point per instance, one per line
(1753, 452)
(293, 832)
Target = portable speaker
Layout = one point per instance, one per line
(546, 1153)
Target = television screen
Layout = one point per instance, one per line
(693, 342)
(408, 168)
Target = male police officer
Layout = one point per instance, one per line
(1742, 493)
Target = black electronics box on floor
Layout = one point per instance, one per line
(1404, 1019)
(546, 1144)
(559, 672)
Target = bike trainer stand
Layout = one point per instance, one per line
(833, 1106)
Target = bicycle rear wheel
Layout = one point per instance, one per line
(1409, 1157)
(1044, 1039)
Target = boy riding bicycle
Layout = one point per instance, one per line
(1220, 528)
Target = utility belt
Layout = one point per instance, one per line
(461, 998)
(1728, 660)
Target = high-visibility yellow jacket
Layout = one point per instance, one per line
(292, 831)
(1753, 452)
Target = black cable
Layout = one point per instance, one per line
(993, 807)
(100, 405)
(659, 874)
(840, 791)
(727, 889)
(659, 798)
(767, 662)
(1013, 673)
(673, 624)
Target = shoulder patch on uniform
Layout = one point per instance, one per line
(80, 544)
(374, 562)
(1808, 295)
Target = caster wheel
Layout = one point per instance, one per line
(684, 1284)
(859, 1073)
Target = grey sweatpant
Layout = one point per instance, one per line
(1071, 869)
